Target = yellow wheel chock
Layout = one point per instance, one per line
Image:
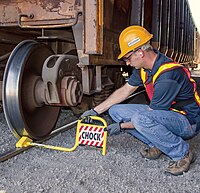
(86, 134)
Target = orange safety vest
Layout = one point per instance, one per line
(163, 68)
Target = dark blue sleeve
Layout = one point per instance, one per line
(166, 89)
(135, 79)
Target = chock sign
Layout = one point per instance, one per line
(86, 134)
(91, 134)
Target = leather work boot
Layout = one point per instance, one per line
(179, 167)
(151, 153)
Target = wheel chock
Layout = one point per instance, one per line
(24, 142)
(86, 134)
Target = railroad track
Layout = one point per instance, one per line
(15, 151)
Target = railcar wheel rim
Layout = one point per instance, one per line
(23, 68)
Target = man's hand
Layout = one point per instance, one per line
(113, 129)
(90, 112)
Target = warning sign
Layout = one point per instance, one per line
(91, 135)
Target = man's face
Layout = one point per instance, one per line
(134, 59)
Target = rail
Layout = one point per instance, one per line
(15, 151)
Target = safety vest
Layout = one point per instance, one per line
(163, 68)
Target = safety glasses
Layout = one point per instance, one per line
(127, 59)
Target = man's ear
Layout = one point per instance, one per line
(141, 53)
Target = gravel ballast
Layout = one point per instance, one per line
(85, 170)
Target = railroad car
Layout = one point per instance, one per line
(63, 53)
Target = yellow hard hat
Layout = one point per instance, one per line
(132, 38)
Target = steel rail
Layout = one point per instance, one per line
(15, 151)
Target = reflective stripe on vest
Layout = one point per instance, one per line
(163, 68)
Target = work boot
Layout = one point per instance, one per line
(179, 167)
(151, 153)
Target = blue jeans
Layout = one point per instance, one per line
(164, 129)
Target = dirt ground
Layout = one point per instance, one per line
(85, 170)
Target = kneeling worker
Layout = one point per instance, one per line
(173, 114)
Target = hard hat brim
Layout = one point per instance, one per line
(121, 55)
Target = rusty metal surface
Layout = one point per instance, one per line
(136, 12)
(10, 37)
(164, 27)
(97, 40)
(45, 13)
(93, 23)
(94, 33)
(87, 77)
(110, 50)
(59, 89)
(71, 91)
(117, 14)
(197, 48)
(61, 86)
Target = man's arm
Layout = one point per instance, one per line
(116, 97)
(127, 125)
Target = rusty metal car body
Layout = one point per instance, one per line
(58, 53)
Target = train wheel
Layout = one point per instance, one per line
(23, 114)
